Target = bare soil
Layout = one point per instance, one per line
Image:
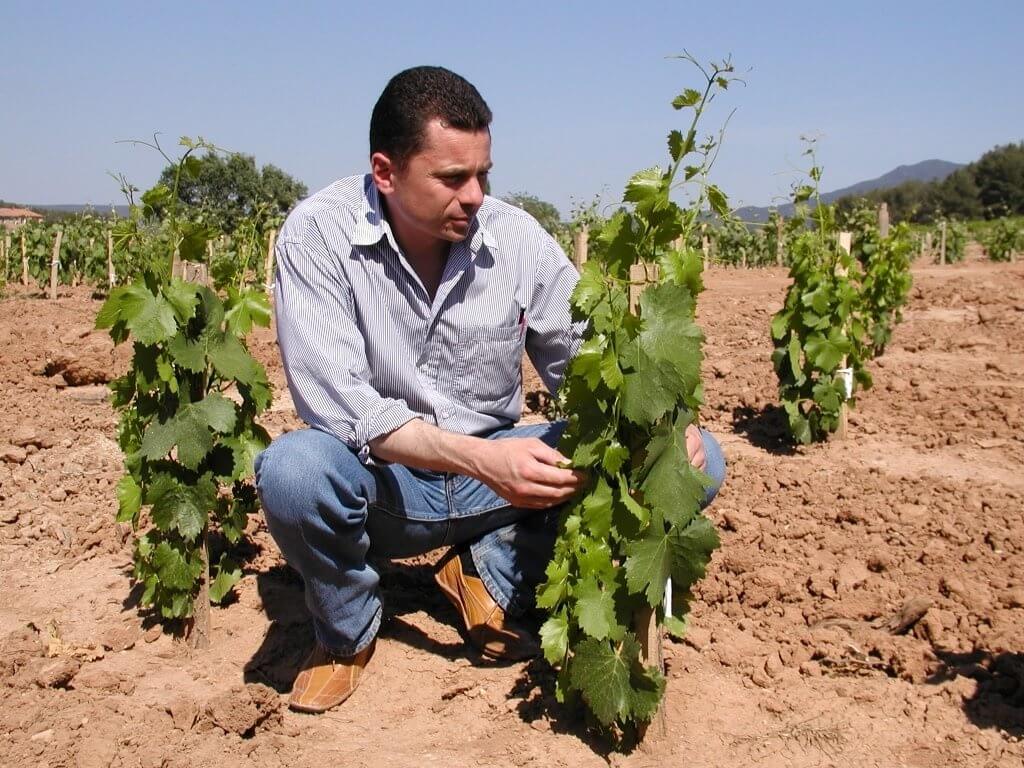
(866, 607)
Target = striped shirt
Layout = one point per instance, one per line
(365, 348)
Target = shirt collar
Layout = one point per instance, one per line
(371, 225)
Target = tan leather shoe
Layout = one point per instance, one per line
(485, 621)
(327, 680)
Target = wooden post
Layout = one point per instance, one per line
(845, 243)
(55, 263)
(705, 245)
(7, 258)
(209, 251)
(928, 243)
(645, 623)
(579, 246)
(883, 220)
(111, 277)
(779, 241)
(268, 267)
(942, 243)
(24, 259)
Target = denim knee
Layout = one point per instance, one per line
(302, 470)
(714, 464)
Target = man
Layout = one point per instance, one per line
(404, 302)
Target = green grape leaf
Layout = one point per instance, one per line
(671, 484)
(647, 565)
(554, 638)
(614, 457)
(173, 570)
(183, 298)
(150, 318)
(597, 509)
(595, 608)
(690, 549)
(646, 185)
(179, 506)
(610, 371)
(227, 575)
(826, 352)
(717, 199)
(129, 499)
(675, 145)
(554, 590)
(244, 309)
(687, 98)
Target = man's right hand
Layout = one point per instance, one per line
(525, 472)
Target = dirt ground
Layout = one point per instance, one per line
(866, 607)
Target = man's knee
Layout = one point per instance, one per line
(714, 464)
(299, 470)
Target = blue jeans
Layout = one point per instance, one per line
(329, 512)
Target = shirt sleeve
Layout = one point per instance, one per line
(322, 347)
(552, 339)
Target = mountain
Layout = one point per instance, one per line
(927, 170)
(98, 210)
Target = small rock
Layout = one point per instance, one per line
(184, 712)
(95, 752)
(120, 638)
(964, 687)
(42, 735)
(58, 673)
(850, 575)
(13, 454)
(58, 494)
(697, 637)
(987, 315)
(1014, 598)
(153, 633)
(24, 437)
(541, 724)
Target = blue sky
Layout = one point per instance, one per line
(580, 90)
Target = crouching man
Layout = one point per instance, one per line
(405, 299)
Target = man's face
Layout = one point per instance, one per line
(440, 189)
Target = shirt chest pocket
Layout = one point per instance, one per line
(488, 368)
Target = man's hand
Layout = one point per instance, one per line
(525, 472)
(695, 447)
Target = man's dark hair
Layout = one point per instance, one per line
(413, 98)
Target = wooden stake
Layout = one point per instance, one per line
(883, 220)
(779, 243)
(199, 625)
(268, 267)
(24, 260)
(7, 258)
(942, 243)
(55, 263)
(845, 243)
(645, 623)
(579, 246)
(111, 277)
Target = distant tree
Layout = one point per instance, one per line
(542, 211)
(231, 187)
(999, 176)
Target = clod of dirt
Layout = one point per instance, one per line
(242, 708)
(95, 752)
(57, 673)
(17, 648)
(12, 454)
(78, 372)
(911, 613)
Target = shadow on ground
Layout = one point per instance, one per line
(765, 428)
(998, 701)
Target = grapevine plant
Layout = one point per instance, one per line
(631, 392)
(820, 325)
(188, 407)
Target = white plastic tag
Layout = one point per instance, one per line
(846, 374)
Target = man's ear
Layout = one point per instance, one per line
(383, 171)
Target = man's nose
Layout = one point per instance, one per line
(472, 194)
